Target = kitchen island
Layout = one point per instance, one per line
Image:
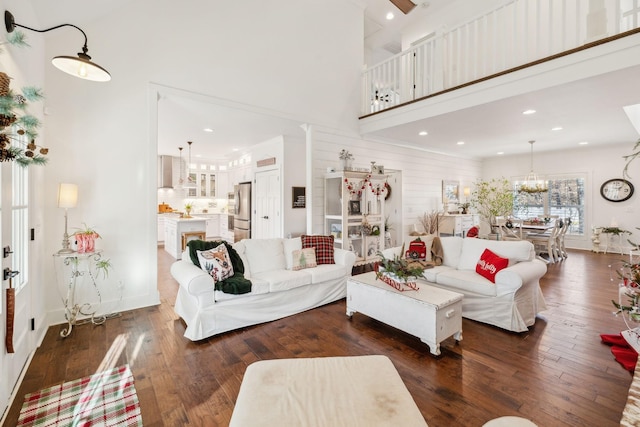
(174, 227)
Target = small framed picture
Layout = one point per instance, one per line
(354, 207)
(377, 170)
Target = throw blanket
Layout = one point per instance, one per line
(236, 284)
(437, 256)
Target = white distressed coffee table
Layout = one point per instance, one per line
(430, 313)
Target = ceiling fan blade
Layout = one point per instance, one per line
(405, 6)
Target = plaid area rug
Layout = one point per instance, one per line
(104, 399)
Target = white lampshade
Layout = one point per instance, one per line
(81, 67)
(67, 195)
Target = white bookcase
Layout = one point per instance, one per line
(350, 197)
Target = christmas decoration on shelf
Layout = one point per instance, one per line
(358, 187)
(379, 189)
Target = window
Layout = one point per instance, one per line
(20, 224)
(565, 198)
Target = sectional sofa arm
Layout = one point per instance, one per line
(195, 280)
(513, 277)
(344, 257)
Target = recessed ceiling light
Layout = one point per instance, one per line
(235, 149)
(460, 142)
(390, 16)
(423, 133)
(500, 153)
(527, 112)
(557, 128)
(583, 143)
(207, 130)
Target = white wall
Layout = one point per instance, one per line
(275, 55)
(422, 172)
(599, 164)
(295, 221)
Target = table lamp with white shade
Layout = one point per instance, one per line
(67, 198)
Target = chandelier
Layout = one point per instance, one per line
(531, 183)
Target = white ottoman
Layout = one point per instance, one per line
(509, 422)
(364, 391)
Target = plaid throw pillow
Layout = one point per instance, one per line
(323, 246)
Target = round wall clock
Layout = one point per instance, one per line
(616, 190)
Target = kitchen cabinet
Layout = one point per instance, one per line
(174, 227)
(213, 227)
(226, 234)
(353, 200)
(160, 229)
(222, 185)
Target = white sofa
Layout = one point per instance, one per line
(277, 291)
(512, 302)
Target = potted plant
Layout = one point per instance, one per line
(85, 239)
(187, 208)
(493, 198)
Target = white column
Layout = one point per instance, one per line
(309, 131)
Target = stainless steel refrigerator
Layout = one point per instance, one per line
(242, 217)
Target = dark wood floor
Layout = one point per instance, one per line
(556, 374)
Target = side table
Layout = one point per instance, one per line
(78, 269)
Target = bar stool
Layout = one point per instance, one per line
(187, 236)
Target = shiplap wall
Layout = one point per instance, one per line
(422, 172)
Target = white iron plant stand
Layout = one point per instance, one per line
(79, 269)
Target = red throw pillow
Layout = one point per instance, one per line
(323, 246)
(473, 232)
(489, 265)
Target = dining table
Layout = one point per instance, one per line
(537, 228)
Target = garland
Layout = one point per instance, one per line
(359, 186)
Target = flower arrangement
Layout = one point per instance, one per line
(403, 268)
(345, 155)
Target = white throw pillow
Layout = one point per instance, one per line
(216, 262)
(291, 245)
(265, 255)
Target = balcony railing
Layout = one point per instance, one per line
(517, 33)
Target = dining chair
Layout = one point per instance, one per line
(547, 242)
(510, 229)
(562, 250)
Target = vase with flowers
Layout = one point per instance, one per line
(86, 239)
(346, 159)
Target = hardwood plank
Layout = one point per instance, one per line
(557, 373)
